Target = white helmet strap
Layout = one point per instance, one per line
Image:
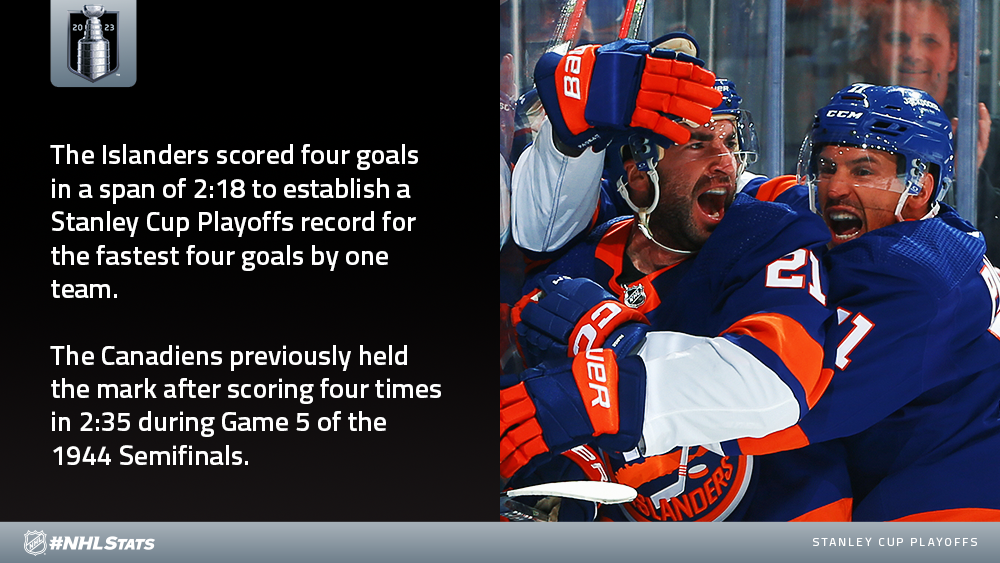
(643, 213)
(913, 184)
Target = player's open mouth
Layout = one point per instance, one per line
(713, 203)
(844, 225)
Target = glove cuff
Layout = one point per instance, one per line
(549, 85)
(616, 79)
(631, 406)
(596, 326)
(614, 396)
(626, 339)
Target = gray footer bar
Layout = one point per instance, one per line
(446, 542)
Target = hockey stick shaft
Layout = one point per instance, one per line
(632, 19)
(568, 27)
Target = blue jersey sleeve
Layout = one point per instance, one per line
(915, 314)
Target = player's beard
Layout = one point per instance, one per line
(673, 222)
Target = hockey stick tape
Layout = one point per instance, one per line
(680, 45)
(595, 491)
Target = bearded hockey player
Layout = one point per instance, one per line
(648, 80)
(733, 290)
(560, 192)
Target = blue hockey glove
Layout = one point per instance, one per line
(595, 399)
(595, 92)
(566, 316)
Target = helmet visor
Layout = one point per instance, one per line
(858, 189)
(866, 167)
(746, 135)
(744, 145)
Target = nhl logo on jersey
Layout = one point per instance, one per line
(34, 542)
(92, 42)
(635, 296)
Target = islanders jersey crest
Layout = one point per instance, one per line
(686, 484)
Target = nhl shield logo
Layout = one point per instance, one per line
(634, 296)
(92, 42)
(34, 542)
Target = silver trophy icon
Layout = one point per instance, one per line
(92, 51)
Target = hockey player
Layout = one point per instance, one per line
(722, 272)
(915, 352)
(633, 84)
(599, 92)
(559, 193)
(914, 358)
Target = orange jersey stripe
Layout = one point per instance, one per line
(799, 351)
(954, 515)
(610, 251)
(774, 187)
(613, 244)
(838, 511)
(788, 439)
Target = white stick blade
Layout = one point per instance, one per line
(596, 491)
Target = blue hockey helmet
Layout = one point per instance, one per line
(903, 121)
(746, 133)
(730, 97)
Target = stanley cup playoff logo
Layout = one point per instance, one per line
(92, 42)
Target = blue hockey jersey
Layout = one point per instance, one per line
(754, 294)
(914, 398)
